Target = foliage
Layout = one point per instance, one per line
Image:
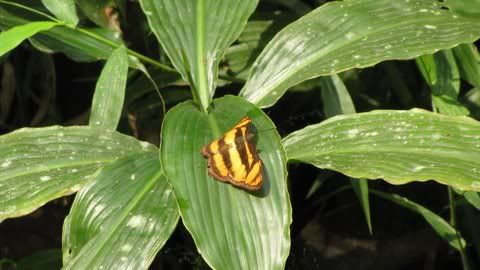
(131, 194)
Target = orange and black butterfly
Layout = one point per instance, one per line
(233, 158)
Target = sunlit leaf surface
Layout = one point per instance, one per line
(341, 35)
(195, 35)
(232, 228)
(122, 218)
(38, 165)
(398, 146)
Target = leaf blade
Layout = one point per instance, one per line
(63, 10)
(14, 36)
(40, 164)
(233, 229)
(342, 35)
(397, 146)
(195, 35)
(110, 91)
(125, 227)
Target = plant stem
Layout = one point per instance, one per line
(453, 222)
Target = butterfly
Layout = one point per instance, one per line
(233, 158)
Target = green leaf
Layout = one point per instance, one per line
(122, 218)
(468, 60)
(81, 45)
(446, 73)
(426, 64)
(360, 186)
(468, 8)
(232, 228)
(398, 146)
(449, 106)
(47, 259)
(195, 35)
(14, 36)
(341, 35)
(442, 75)
(110, 91)
(63, 10)
(335, 97)
(337, 101)
(38, 165)
(89, 44)
(440, 226)
(471, 196)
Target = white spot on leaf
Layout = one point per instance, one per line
(352, 133)
(6, 164)
(136, 221)
(418, 168)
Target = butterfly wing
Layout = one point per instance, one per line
(234, 158)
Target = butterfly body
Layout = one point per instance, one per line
(234, 159)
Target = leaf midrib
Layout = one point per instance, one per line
(391, 150)
(201, 63)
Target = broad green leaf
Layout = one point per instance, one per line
(80, 44)
(440, 226)
(122, 218)
(110, 91)
(446, 74)
(426, 64)
(441, 73)
(471, 196)
(337, 101)
(38, 165)
(398, 146)
(232, 228)
(47, 259)
(14, 36)
(335, 97)
(195, 35)
(64, 10)
(449, 106)
(468, 8)
(444, 98)
(468, 60)
(341, 35)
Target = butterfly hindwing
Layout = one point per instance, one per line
(233, 158)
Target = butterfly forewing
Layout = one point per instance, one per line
(233, 157)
